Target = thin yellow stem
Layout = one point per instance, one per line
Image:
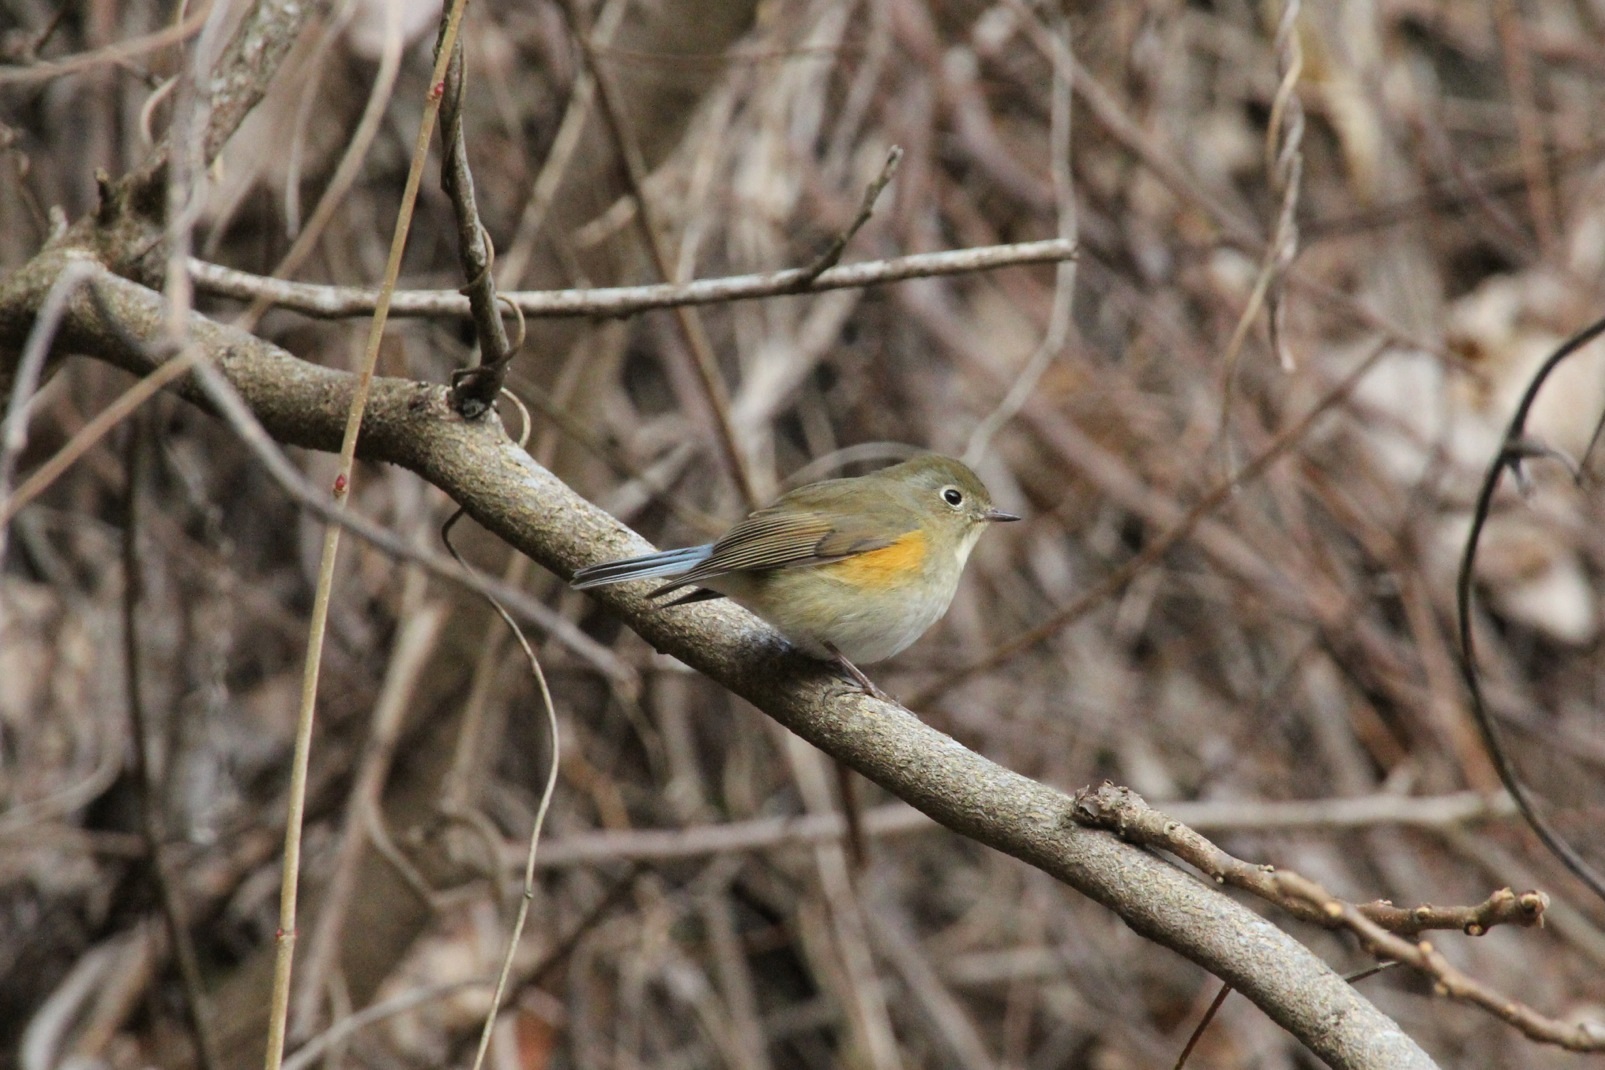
(284, 960)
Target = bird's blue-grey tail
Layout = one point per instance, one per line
(667, 563)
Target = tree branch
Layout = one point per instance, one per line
(410, 424)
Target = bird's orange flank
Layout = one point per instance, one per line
(887, 567)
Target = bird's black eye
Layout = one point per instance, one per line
(953, 496)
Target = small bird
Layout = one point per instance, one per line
(849, 570)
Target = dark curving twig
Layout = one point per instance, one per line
(1513, 449)
(473, 390)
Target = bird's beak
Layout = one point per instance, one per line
(998, 516)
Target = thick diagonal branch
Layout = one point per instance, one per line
(410, 424)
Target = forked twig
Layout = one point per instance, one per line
(1123, 812)
(1449, 981)
(339, 302)
(838, 245)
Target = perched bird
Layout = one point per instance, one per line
(849, 570)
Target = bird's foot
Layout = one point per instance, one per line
(855, 674)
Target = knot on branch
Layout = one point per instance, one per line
(474, 390)
(1109, 806)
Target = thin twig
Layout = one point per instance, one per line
(547, 791)
(1448, 980)
(455, 806)
(339, 302)
(459, 787)
(1203, 1024)
(167, 890)
(1220, 998)
(1064, 285)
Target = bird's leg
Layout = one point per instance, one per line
(856, 674)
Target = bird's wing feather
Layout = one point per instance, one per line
(665, 563)
(788, 538)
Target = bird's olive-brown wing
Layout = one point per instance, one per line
(789, 538)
